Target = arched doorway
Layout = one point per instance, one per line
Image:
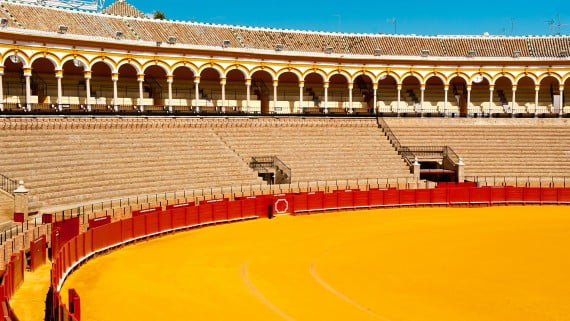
(183, 91)
(503, 95)
(156, 85)
(14, 87)
(210, 90)
(363, 94)
(315, 88)
(411, 95)
(434, 96)
(457, 96)
(387, 95)
(481, 96)
(549, 98)
(338, 94)
(127, 88)
(101, 87)
(525, 96)
(236, 92)
(290, 93)
(260, 95)
(44, 85)
(74, 85)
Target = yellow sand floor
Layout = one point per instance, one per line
(29, 300)
(502, 263)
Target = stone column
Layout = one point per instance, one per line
(399, 99)
(561, 110)
(514, 100)
(460, 170)
(445, 99)
(275, 84)
(169, 81)
(197, 93)
(140, 80)
(416, 169)
(326, 88)
(28, 76)
(223, 84)
(491, 89)
(536, 90)
(469, 109)
(375, 88)
(21, 200)
(422, 98)
(350, 107)
(301, 94)
(1, 89)
(248, 94)
(59, 77)
(115, 79)
(87, 76)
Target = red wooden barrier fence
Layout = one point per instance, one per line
(153, 221)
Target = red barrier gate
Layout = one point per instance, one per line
(345, 199)
(361, 199)
(376, 197)
(549, 195)
(282, 204)
(100, 221)
(315, 201)
(38, 252)
(480, 196)
(330, 201)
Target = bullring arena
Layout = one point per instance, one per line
(168, 170)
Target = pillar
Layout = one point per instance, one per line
(115, 78)
(350, 86)
(223, 84)
(301, 88)
(28, 76)
(514, 101)
(491, 90)
(197, 93)
(445, 93)
(140, 80)
(275, 84)
(536, 90)
(326, 88)
(422, 96)
(561, 110)
(416, 169)
(21, 200)
(375, 101)
(469, 109)
(87, 76)
(399, 94)
(460, 170)
(1, 89)
(248, 93)
(169, 81)
(59, 77)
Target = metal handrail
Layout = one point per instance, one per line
(266, 162)
(8, 184)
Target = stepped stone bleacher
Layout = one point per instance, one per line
(77, 161)
(80, 160)
(495, 147)
(318, 150)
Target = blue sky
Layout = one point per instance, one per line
(498, 17)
